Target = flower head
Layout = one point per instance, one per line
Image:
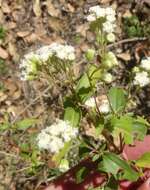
(95, 12)
(145, 64)
(142, 79)
(55, 136)
(30, 62)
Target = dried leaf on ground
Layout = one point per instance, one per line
(55, 24)
(23, 33)
(70, 8)
(52, 11)
(82, 29)
(124, 56)
(31, 38)
(10, 25)
(105, 1)
(13, 51)
(5, 7)
(10, 86)
(3, 53)
(37, 8)
(17, 95)
(3, 96)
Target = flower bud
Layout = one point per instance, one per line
(90, 54)
(64, 165)
(107, 77)
(136, 70)
(110, 37)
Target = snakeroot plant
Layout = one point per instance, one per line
(96, 122)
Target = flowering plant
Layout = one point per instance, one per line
(96, 123)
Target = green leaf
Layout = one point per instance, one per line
(119, 163)
(58, 157)
(117, 99)
(144, 160)
(83, 88)
(83, 83)
(95, 157)
(72, 114)
(87, 83)
(140, 129)
(112, 184)
(143, 121)
(123, 125)
(25, 124)
(98, 128)
(4, 126)
(84, 150)
(109, 165)
(95, 74)
(80, 175)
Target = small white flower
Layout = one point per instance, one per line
(44, 53)
(110, 11)
(90, 102)
(91, 18)
(101, 12)
(108, 78)
(96, 12)
(104, 106)
(145, 64)
(56, 144)
(142, 79)
(43, 140)
(70, 133)
(110, 18)
(110, 37)
(64, 52)
(108, 27)
(136, 70)
(71, 56)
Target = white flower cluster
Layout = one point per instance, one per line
(142, 76)
(55, 136)
(103, 105)
(108, 13)
(31, 60)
